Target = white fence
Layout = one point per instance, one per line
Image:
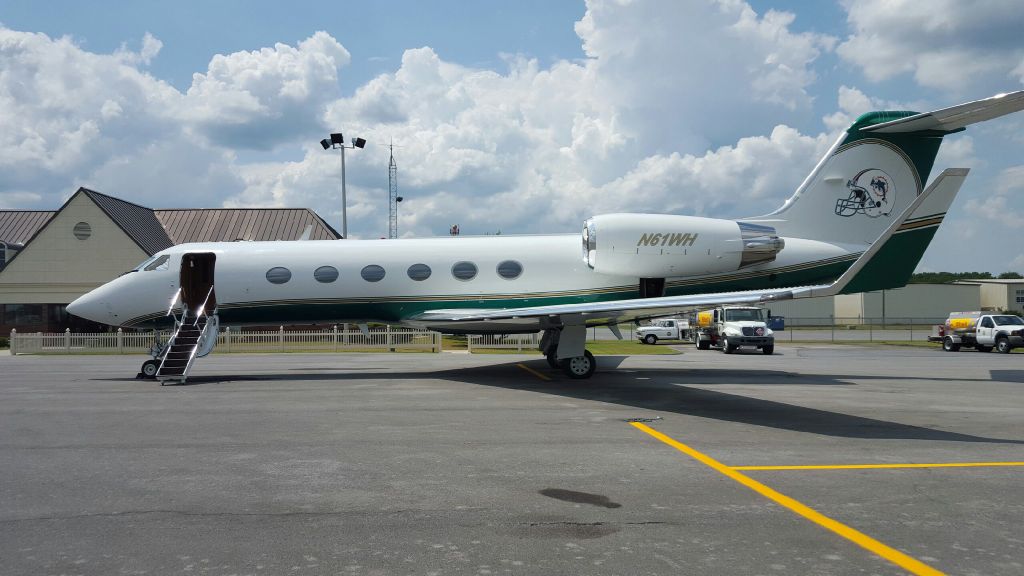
(518, 342)
(333, 339)
(68, 342)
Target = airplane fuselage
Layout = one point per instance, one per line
(323, 282)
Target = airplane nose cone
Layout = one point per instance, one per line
(90, 307)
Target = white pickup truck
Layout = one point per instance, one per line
(981, 331)
(664, 329)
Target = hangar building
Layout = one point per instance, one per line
(49, 258)
(1000, 294)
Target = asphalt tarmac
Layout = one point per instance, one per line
(457, 464)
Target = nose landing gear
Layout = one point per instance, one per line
(149, 368)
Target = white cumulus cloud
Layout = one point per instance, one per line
(262, 98)
(945, 44)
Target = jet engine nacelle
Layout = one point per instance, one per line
(666, 246)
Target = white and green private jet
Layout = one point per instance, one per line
(860, 221)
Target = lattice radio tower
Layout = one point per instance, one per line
(393, 195)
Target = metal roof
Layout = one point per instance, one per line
(138, 222)
(18, 226)
(155, 230)
(229, 224)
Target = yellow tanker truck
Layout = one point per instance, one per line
(730, 327)
(980, 330)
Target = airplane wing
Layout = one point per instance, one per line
(955, 117)
(935, 200)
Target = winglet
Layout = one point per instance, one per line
(956, 117)
(926, 211)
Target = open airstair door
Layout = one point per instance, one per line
(196, 281)
(196, 330)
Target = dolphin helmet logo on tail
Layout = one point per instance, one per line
(871, 193)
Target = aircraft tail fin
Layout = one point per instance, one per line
(891, 259)
(875, 170)
(898, 257)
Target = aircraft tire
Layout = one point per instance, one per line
(149, 368)
(580, 367)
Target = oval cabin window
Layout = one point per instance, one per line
(419, 272)
(464, 270)
(278, 275)
(510, 269)
(372, 273)
(326, 274)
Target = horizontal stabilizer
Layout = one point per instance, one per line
(955, 117)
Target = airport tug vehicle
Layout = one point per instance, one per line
(730, 327)
(981, 331)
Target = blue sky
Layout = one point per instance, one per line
(522, 116)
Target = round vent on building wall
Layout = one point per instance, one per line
(82, 230)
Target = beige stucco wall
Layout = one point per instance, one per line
(56, 267)
(849, 306)
(1001, 295)
(994, 296)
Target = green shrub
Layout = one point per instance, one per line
(4, 344)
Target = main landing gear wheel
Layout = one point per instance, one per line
(650, 339)
(552, 358)
(149, 368)
(580, 367)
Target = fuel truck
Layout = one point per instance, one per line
(730, 327)
(982, 331)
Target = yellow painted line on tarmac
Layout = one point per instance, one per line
(534, 372)
(893, 555)
(878, 466)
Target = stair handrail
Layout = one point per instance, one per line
(195, 350)
(201, 310)
(170, 309)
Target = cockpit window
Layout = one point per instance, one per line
(158, 264)
(145, 263)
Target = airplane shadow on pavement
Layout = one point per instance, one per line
(658, 395)
(652, 389)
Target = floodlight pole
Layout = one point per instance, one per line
(337, 140)
(344, 198)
